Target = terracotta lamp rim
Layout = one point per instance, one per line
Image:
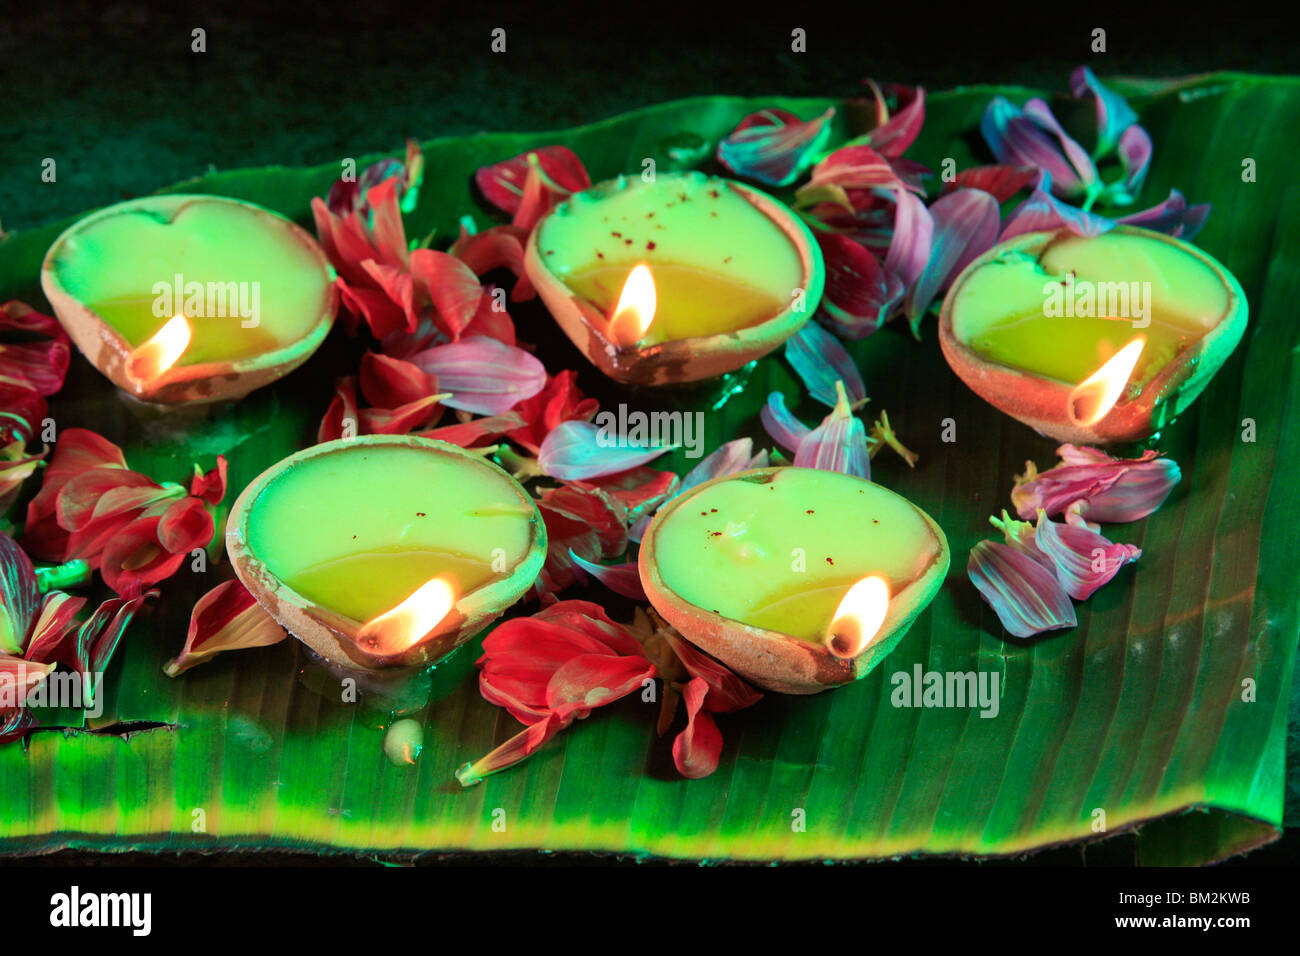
(108, 350)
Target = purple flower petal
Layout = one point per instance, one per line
(1026, 597)
(839, 443)
(780, 423)
(1172, 217)
(1114, 115)
(622, 579)
(909, 249)
(965, 226)
(1043, 211)
(483, 375)
(1085, 560)
(820, 360)
(575, 450)
(774, 146)
(1110, 489)
(1135, 156)
(1033, 137)
(736, 455)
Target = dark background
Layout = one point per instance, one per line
(112, 92)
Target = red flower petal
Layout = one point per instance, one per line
(697, 748)
(210, 486)
(19, 596)
(473, 433)
(342, 410)
(503, 184)
(859, 294)
(1002, 182)
(774, 146)
(388, 382)
(227, 618)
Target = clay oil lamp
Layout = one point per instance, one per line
(385, 552)
(1092, 340)
(798, 580)
(683, 278)
(190, 299)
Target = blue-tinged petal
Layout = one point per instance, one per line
(1114, 115)
(774, 146)
(622, 579)
(1026, 597)
(1043, 211)
(575, 450)
(820, 361)
(965, 226)
(1172, 217)
(1135, 158)
(780, 423)
(839, 443)
(1080, 162)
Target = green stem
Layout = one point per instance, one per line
(62, 576)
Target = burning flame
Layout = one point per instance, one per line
(635, 310)
(858, 618)
(396, 630)
(1097, 394)
(163, 349)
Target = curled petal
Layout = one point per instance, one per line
(1043, 211)
(860, 294)
(774, 146)
(58, 618)
(342, 417)
(1033, 137)
(473, 433)
(839, 443)
(19, 596)
(388, 382)
(575, 450)
(1114, 115)
(895, 133)
(726, 691)
(211, 485)
(913, 239)
(1096, 485)
(736, 455)
(641, 490)
(1135, 156)
(965, 226)
(482, 374)
(527, 741)
(1084, 559)
(227, 618)
(620, 578)
(780, 423)
(503, 184)
(582, 520)
(820, 361)
(1026, 597)
(697, 749)
(501, 247)
(1172, 217)
(853, 167)
(450, 285)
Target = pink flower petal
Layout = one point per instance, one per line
(780, 423)
(575, 450)
(1026, 597)
(1085, 560)
(839, 443)
(483, 375)
(227, 618)
(774, 146)
(622, 579)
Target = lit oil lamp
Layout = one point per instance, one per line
(1092, 340)
(190, 299)
(797, 579)
(384, 552)
(679, 279)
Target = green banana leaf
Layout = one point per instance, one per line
(1136, 716)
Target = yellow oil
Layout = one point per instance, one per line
(365, 585)
(215, 338)
(1069, 349)
(690, 301)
